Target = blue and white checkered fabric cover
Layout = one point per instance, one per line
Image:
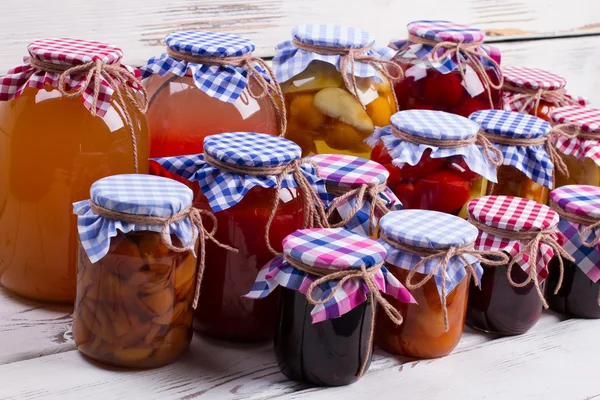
(221, 82)
(430, 230)
(132, 194)
(360, 222)
(433, 125)
(223, 189)
(289, 60)
(533, 161)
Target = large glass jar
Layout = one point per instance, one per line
(194, 93)
(326, 113)
(437, 80)
(51, 151)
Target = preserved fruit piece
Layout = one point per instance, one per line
(318, 75)
(304, 112)
(341, 105)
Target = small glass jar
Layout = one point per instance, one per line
(424, 174)
(433, 79)
(579, 294)
(53, 146)
(327, 114)
(194, 93)
(327, 340)
(135, 293)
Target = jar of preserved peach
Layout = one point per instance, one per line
(447, 68)
(435, 159)
(510, 299)
(70, 115)
(208, 83)
(326, 318)
(432, 253)
(260, 192)
(336, 84)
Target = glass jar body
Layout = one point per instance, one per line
(180, 115)
(325, 118)
(512, 182)
(51, 151)
(134, 306)
(585, 172)
(222, 311)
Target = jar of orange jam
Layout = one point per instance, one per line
(57, 137)
(207, 83)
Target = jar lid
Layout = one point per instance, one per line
(582, 200)
(445, 31)
(65, 51)
(209, 44)
(434, 124)
(533, 78)
(349, 171)
(511, 124)
(588, 119)
(332, 36)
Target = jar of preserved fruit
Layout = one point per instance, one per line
(579, 294)
(70, 115)
(336, 84)
(260, 192)
(357, 190)
(331, 282)
(435, 160)
(433, 254)
(137, 278)
(208, 83)
(536, 92)
(509, 299)
(581, 154)
(447, 68)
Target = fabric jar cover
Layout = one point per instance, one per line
(246, 149)
(433, 125)
(67, 53)
(585, 145)
(533, 161)
(329, 249)
(349, 172)
(582, 200)
(142, 195)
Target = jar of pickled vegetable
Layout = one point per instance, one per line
(579, 294)
(510, 299)
(256, 185)
(331, 282)
(336, 84)
(432, 254)
(536, 92)
(57, 137)
(447, 68)
(357, 190)
(208, 83)
(581, 154)
(434, 160)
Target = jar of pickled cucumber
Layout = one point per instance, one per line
(336, 84)
(58, 135)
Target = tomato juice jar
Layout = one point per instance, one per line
(208, 83)
(325, 325)
(336, 84)
(57, 137)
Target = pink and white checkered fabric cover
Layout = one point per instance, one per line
(517, 215)
(588, 120)
(68, 53)
(445, 31)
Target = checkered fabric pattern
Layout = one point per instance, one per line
(581, 200)
(517, 215)
(69, 52)
(445, 31)
(221, 82)
(289, 60)
(429, 230)
(588, 120)
(331, 249)
(434, 125)
(131, 194)
(223, 189)
(533, 161)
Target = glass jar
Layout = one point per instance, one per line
(423, 173)
(135, 292)
(435, 81)
(51, 151)
(327, 114)
(192, 95)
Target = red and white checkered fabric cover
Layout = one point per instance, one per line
(67, 52)
(517, 215)
(588, 120)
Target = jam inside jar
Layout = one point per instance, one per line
(512, 182)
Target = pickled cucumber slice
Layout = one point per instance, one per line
(341, 105)
(316, 76)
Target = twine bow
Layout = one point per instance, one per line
(118, 78)
(528, 96)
